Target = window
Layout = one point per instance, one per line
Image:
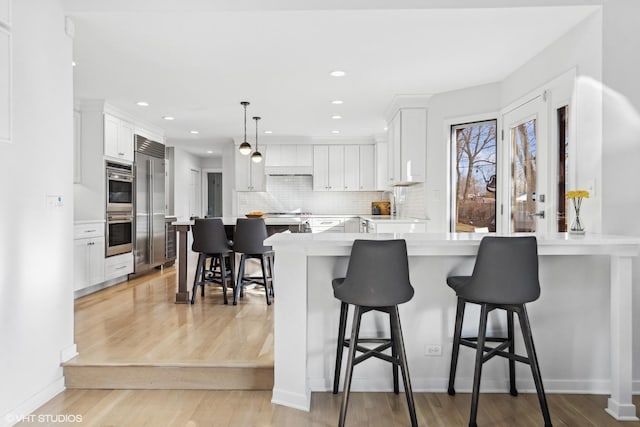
(473, 176)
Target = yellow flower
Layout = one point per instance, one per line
(576, 194)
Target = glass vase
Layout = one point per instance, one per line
(576, 225)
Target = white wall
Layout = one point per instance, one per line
(184, 161)
(580, 48)
(36, 248)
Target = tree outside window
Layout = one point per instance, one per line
(474, 176)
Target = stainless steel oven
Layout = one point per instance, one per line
(120, 187)
(119, 235)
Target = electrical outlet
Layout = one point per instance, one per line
(433, 350)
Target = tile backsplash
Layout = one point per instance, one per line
(288, 193)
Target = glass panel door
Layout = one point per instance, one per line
(525, 128)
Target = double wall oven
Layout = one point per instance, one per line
(120, 193)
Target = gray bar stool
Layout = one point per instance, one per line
(377, 280)
(210, 241)
(505, 276)
(248, 240)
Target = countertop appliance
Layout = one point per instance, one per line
(149, 202)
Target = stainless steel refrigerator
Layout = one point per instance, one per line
(149, 247)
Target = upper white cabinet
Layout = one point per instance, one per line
(249, 175)
(344, 168)
(382, 166)
(407, 139)
(351, 168)
(328, 168)
(289, 159)
(367, 164)
(118, 138)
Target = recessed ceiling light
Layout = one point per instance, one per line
(337, 102)
(336, 117)
(335, 131)
(337, 73)
(194, 132)
(386, 128)
(268, 131)
(168, 117)
(209, 152)
(73, 63)
(142, 103)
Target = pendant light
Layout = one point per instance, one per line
(256, 157)
(245, 147)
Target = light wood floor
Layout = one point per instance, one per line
(253, 408)
(138, 322)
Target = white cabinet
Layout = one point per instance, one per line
(88, 254)
(328, 168)
(118, 266)
(249, 175)
(382, 168)
(367, 164)
(351, 168)
(289, 159)
(407, 139)
(327, 225)
(118, 138)
(344, 168)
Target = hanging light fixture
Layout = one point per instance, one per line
(256, 157)
(245, 147)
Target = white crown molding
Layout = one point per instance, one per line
(406, 101)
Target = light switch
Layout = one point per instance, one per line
(54, 201)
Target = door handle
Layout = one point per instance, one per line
(539, 214)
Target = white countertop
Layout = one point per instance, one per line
(231, 220)
(456, 243)
(89, 221)
(394, 219)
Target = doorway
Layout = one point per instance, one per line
(525, 141)
(213, 194)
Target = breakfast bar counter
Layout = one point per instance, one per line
(582, 322)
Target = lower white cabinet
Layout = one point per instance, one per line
(88, 255)
(118, 266)
(327, 225)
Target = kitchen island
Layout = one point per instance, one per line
(581, 323)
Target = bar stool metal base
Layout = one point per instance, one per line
(220, 271)
(485, 352)
(395, 343)
(267, 279)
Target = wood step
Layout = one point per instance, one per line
(167, 377)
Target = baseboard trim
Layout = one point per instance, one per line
(68, 353)
(19, 413)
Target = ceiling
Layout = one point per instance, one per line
(198, 65)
